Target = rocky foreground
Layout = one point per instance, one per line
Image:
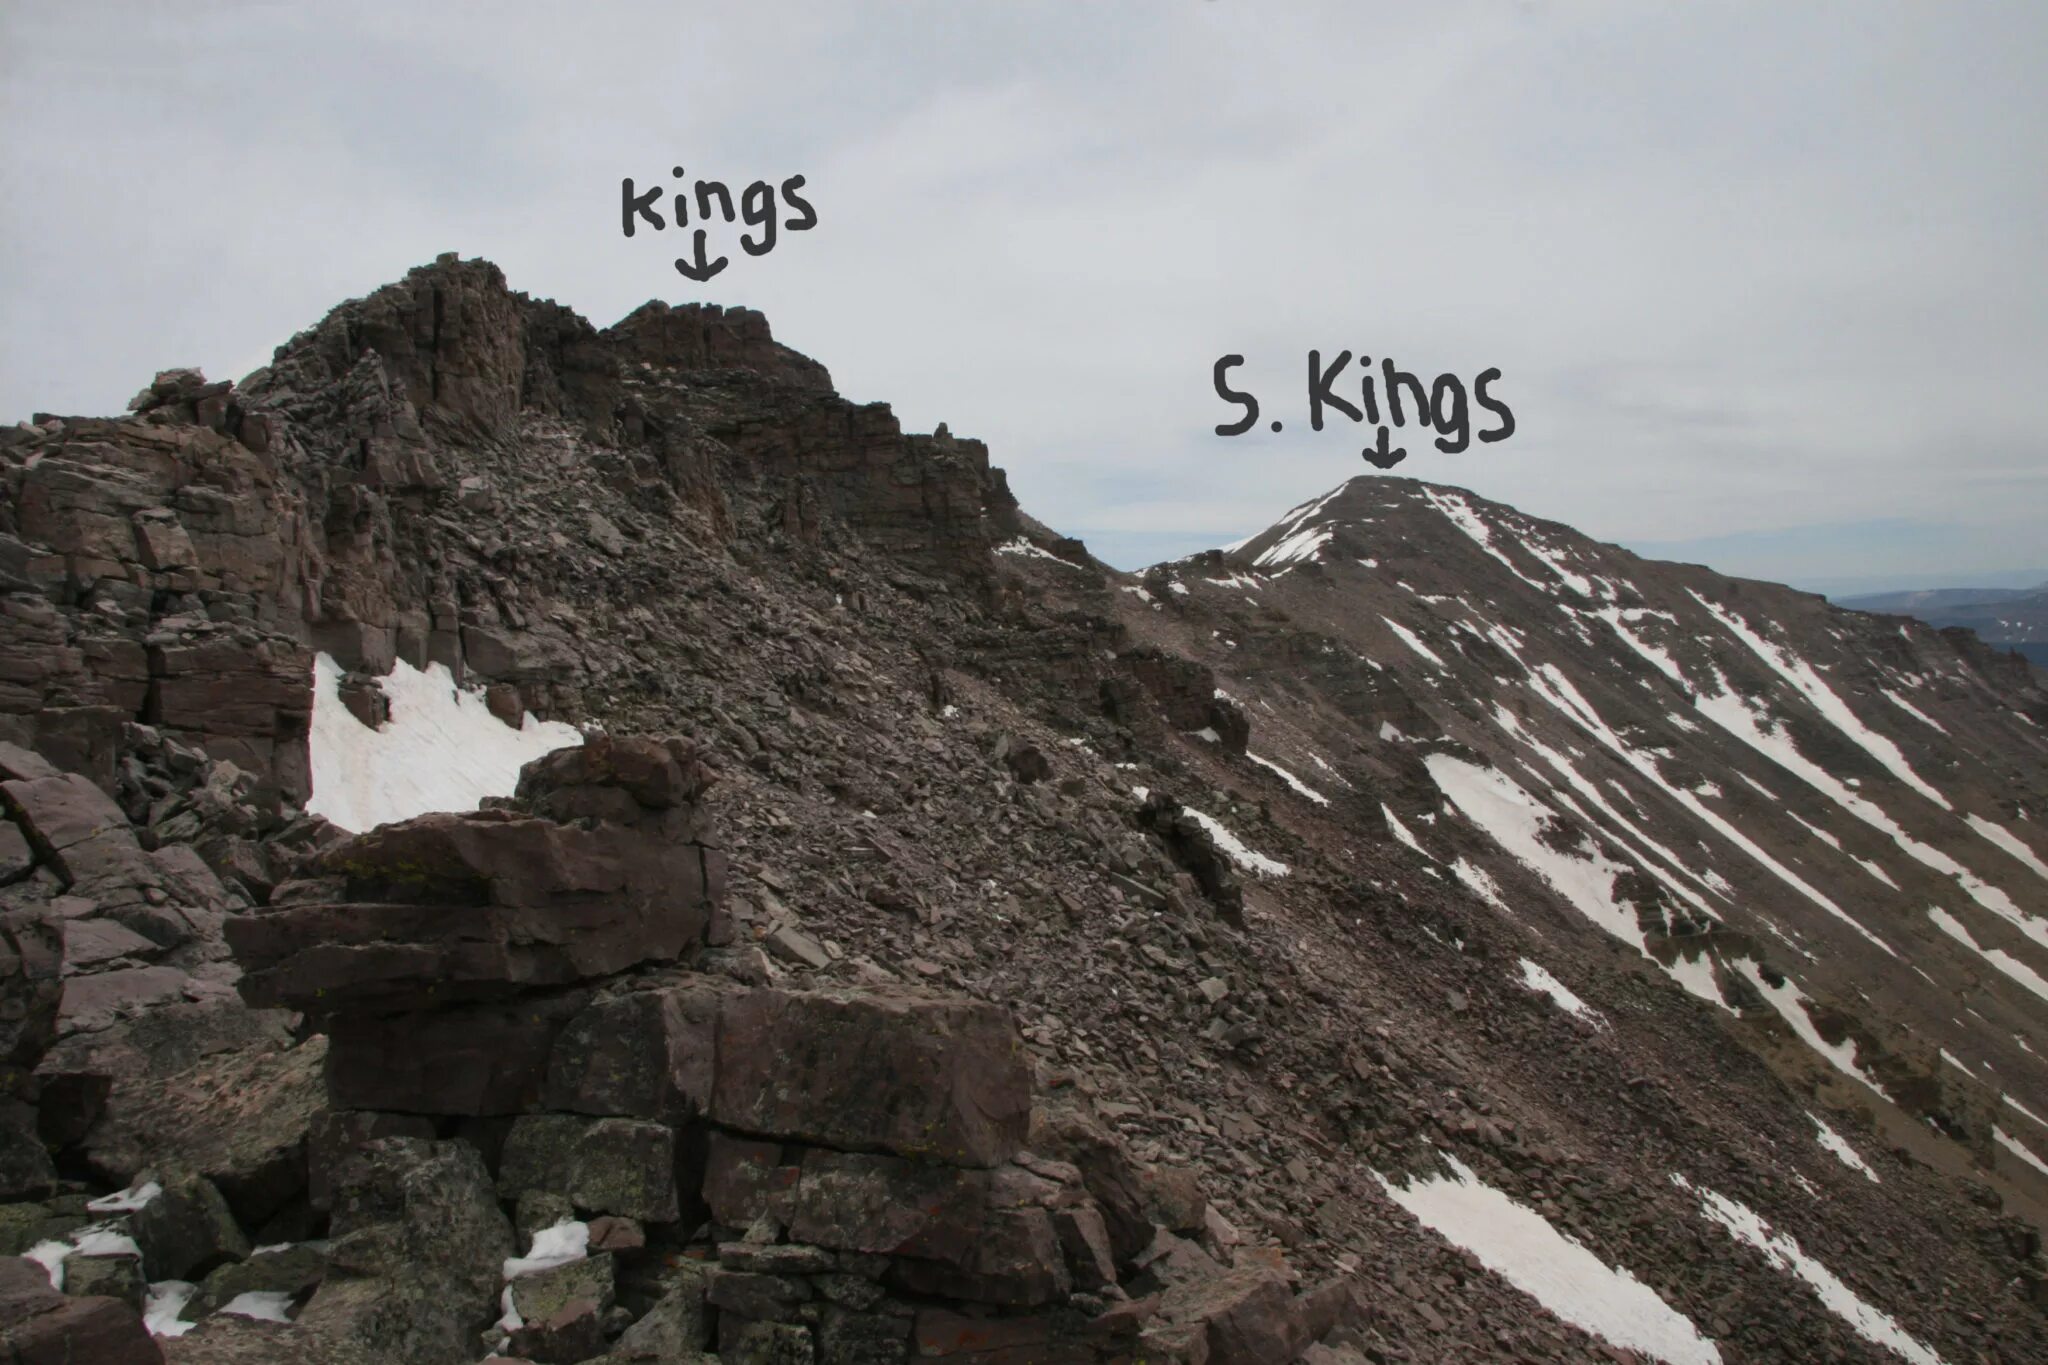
(940, 946)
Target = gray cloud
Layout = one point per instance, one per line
(1747, 268)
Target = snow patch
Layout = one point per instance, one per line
(1414, 642)
(442, 749)
(1843, 1152)
(166, 1301)
(1520, 1245)
(1784, 1253)
(1997, 957)
(128, 1200)
(1303, 544)
(2019, 1149)
(1300, 787)
(1514, 820)
(1535, 978)
(2010, 842)
(1235, 849)
(264, 1305)
(1790, 1003)
(566, 1241)
(1912, 710)
(1801, 675)
(1021, 546)
(1460, 514)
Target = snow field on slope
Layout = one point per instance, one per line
(1550, 683)
(2010, 842)
(1300, 787)
(1459, 513)
(1521, 1246)
(1802, 676)
(1535, 978)
(1997, 957)
(1785, 1254)
(1021, 546)
(1232, 847)
(2013, 1145)
(1617, 826)
(1790, 1003)
(1843, 1152)
(1733, 715)
(1298, 541)
(442, 749)
(1303, 544)
(1514, 820)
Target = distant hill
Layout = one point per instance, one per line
(1913, 603)
(2000, 616)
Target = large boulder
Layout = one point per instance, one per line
(612, 1165)
(937, 1079)
(483, 1058)
(602, 862)
(648, 1053)
(417, 1245)
(39, 1326)
(444, 908)
(212, 1089)
(1248, 1316)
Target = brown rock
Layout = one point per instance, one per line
(574, 1332)
(957, 1232)
(744, 1179)
(646, 1054)
(941, 1080)
(1249, 1316)
(489, 1057)
(453, 907)
(39, 1326)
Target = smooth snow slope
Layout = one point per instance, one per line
(442, 749)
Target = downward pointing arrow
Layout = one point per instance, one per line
(699, 270)
(1382, 457)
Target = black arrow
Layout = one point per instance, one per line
(1382, 457)
(699, 270)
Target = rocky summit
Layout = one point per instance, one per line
(531, 842)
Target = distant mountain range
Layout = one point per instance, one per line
(2013, 618)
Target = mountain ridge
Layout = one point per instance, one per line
(1413, 852)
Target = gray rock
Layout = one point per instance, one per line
(186, 1230)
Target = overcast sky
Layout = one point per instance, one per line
(1766, 283)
